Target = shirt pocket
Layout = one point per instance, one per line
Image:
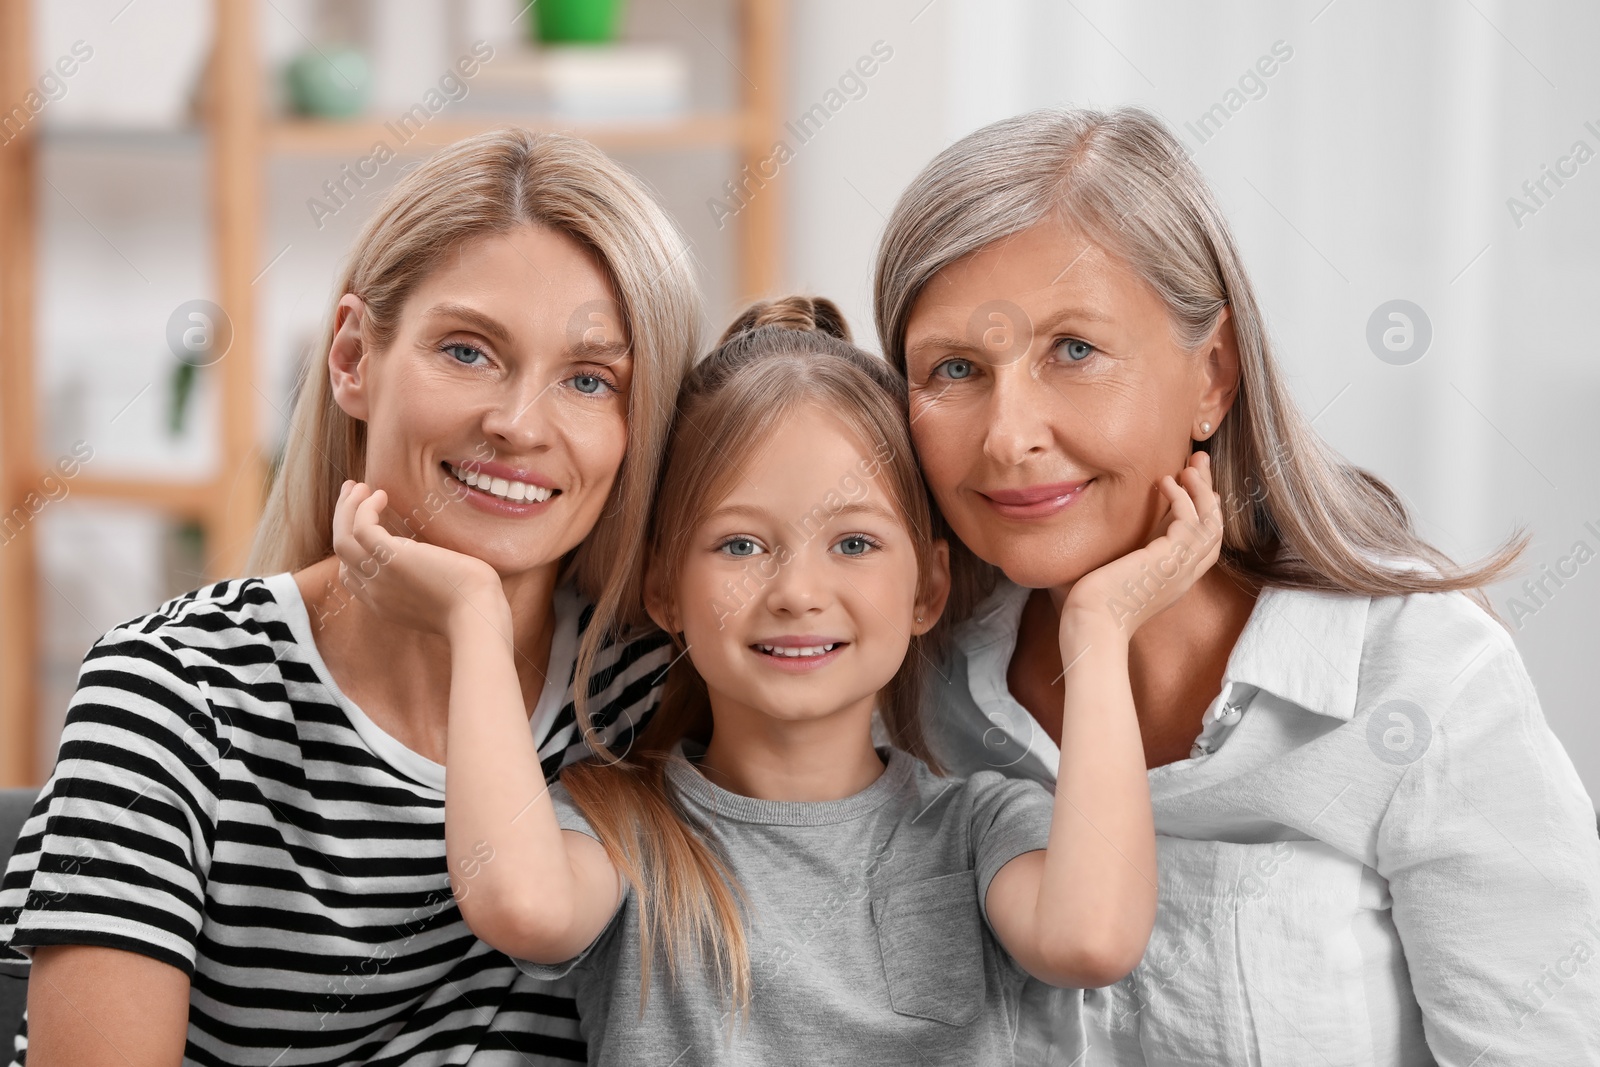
(1254, 960)
(930, 933)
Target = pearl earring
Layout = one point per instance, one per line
(1205, 427)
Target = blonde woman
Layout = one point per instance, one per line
(240, 857)
(1370, 847)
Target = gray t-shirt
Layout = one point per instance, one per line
(869, 942)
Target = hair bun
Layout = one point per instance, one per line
(817, 314)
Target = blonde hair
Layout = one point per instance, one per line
(492, 183)
(1296, 514)
(774, 358)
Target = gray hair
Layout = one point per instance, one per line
(1296, 514)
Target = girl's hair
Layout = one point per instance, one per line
(488, 184)
(1296, 514)
(775, 358)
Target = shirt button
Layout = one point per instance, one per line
(1231, 713)
(1201, 748)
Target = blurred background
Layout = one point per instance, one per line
(1415, 188)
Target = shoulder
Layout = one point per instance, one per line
(1003, 803)
(616, 652)
(1340, 653)
(985, 796)
(154, 670)
(1438, 633)
(1450, 627)
(991, 784)
(569, 816)
(1438, 646)
(628, 669)
(1442, 693)
(237, 611)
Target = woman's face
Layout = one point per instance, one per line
(497, 417)
(1048, 397)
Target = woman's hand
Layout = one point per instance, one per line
(1130, 591)
(410, 582)
(1080, 912)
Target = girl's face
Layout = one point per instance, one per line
(497, 418)
(798, 594)
(1048, 397)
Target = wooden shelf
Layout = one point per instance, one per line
(237, 143)
(326, 137)
(181, 500)
(174, 139)
(321, 137)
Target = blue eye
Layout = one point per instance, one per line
(740, 547)
(589, 384)
(471, 354)
(1075, 350)
(955, 369)
(855, 545)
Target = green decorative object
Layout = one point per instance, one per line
(182, 388)
(329, 84)
(576, 21)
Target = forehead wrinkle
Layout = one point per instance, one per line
(480, 321)
(609, 353)
(1041, 324)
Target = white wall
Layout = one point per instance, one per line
(1376, 165)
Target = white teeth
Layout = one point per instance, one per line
(797, 653)
(516, 492)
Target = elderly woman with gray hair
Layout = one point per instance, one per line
(1371, 849)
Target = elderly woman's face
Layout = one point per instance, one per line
(1048, 396)
(497, 418)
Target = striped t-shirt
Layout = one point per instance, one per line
(218, 804)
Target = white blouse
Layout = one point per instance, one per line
(1378, 853)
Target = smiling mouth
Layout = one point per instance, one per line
(799, 652)
(1033, 496)
(501, 488)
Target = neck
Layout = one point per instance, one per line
(1195, 623)
(761, 756)
(1176, 660)
(401, 676)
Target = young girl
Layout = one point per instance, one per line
(756, 881)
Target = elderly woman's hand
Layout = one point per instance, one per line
(410, 582)
(1128, 592)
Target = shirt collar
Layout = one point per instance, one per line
(1302, 646)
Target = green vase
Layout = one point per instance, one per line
(330, 85)
(576, 21)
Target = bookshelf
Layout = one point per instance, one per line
(238, 140)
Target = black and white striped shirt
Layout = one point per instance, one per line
(218, 804)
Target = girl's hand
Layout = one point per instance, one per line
(409, 582)
(1128, 592)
